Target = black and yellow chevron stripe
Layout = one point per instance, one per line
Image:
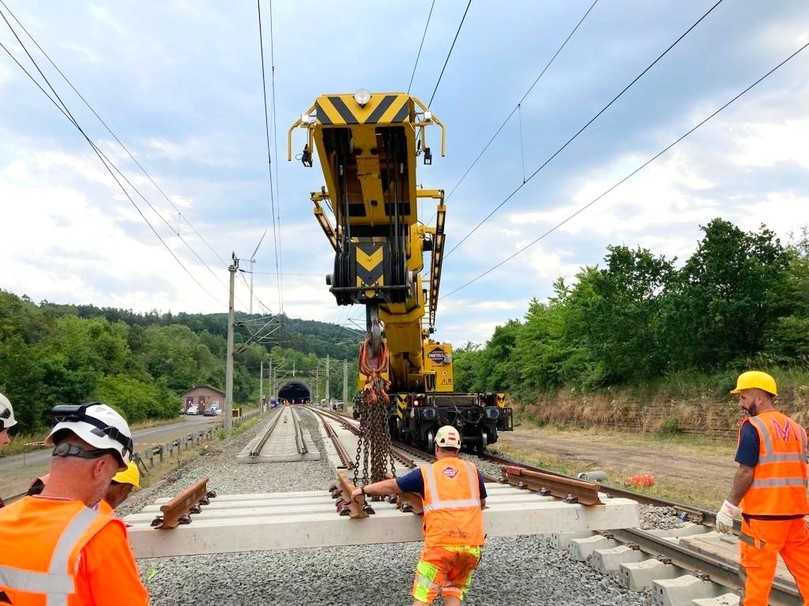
(381, 109)
(370, 264)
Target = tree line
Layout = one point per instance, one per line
(142, 363)
(740, 300)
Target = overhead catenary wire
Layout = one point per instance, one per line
(449, 53)
(570, 140)
(421, 45)
(115, 137)
(269, 150)
(522, 99)
(627, 177)
(275, 149)
(60, 105)
(126, 149)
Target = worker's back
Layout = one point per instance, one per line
(41, 541)
(452, 506)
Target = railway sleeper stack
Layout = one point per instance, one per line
(670, 580)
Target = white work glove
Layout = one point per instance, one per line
(725, 517)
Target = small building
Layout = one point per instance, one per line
(203, 397)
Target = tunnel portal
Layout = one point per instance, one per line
(295, 392)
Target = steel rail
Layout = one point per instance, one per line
(179, 509)
(697, 514)
(256, 450)
(342, 453)
(300, 444)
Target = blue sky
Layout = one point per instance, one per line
(180, 83)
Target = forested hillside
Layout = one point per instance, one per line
(140, 363)
(740, 300)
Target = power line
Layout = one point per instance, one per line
(550, 158)
(62, 107)
(269, 154)
(114, 135)
(449, 54)
(522, 99)
(418, 55)
(275, 149)
(631, 174)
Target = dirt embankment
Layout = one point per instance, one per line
(685, 468)
(655, 412)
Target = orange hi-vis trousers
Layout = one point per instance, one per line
(790, 538)
(446, 570)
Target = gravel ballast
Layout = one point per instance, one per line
(521, 570)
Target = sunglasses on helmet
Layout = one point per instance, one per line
(66, 449)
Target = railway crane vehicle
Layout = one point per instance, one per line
(368, 145)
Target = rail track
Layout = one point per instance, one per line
(255, 452)
(276, 442)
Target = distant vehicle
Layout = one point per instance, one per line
(192, 410)
(213, 411)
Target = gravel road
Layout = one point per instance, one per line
(519, 571)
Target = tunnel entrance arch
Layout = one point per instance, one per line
(295, 392)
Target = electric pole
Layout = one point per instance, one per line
(228, 420)
(317, 383)
(345, 384)
(261, 385)
(328, 388)
(270, 383)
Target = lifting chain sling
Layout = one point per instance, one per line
(374, 441)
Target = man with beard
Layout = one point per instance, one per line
(769, 491)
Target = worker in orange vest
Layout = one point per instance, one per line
(74, 553)
(769, 491)
(121, 486)
(453, 499)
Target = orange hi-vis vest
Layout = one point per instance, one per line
(452, 513)
(780, 477)
(40, 546)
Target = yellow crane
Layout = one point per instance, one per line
(368, 145)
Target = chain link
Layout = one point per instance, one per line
(374, 442)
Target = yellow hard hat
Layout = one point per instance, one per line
(448, 437)
(755, 379)
(130, 475)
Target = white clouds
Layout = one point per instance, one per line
(768, 144)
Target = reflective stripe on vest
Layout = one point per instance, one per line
(57, 583)
(770, 455)
(437, 504)
(775, 482)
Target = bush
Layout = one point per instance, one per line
(670, 426)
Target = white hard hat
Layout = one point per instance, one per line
(448, 437)
(98, 425)
(7, 420)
